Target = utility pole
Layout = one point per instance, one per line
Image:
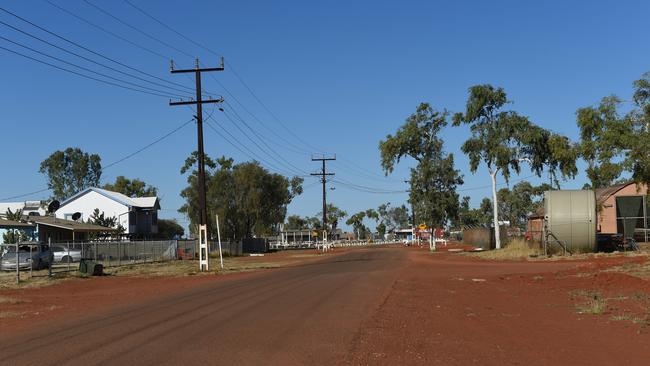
(323, 174)
(203, 214)
(412, 209)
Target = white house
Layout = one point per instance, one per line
(139, 216)
(36, 208)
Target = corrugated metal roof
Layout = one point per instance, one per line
(68, 224)
(602, 194)
(140, 202)
(10, 224)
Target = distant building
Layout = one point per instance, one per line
(624, 209)
(35, 208)
(620, 209)
(138, 216)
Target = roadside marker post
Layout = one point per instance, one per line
(17, 266)
(204, 262)
(219, 241)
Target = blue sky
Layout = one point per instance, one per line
(341, 75)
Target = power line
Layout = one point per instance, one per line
(138, 30)
(264, 151)
(85, 58)
(138, 45)
(91, 51)
(241, 80)
(170, 28)
(115, 162)
(264, 142)
(23, 195)
(87, 69)
(148, 145)
(80, 74)
(107, 31)
(241, 147)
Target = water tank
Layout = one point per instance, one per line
(571, 216)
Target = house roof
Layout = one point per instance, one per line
(10, 224)
(602, 194)
(68, 224)
(139, 202)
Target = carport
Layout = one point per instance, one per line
(56, 230)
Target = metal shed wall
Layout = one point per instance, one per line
(571, 216)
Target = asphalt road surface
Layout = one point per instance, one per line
(306, 314)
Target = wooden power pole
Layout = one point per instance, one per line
(203, 213)
(323, 174)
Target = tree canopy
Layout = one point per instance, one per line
(434, 179)
(71, 171)
(468, 217)
(131, 187)
(248, 199)
(169, 229)
(503, 140)
(516, 204)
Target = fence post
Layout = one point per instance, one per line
(69, 258)
(50, 259)
(17, 264)
(31, 258)
(119, 252)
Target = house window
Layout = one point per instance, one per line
(632, 217)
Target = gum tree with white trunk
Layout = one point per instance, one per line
(505, 140)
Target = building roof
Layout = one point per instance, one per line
(602, 194)
(69, 224)
(10, 224)
(139, 202)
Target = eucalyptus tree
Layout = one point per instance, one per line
(356, 221)
(604, 135)
(434, 178)
(248, 199)
(505, 140)
(131, 187)
(71, 171)
(638, 157)
(612, 142)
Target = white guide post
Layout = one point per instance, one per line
(219, 240)
(204, 263)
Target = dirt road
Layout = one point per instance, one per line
(385, 306)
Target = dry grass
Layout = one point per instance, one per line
(516, 249)
(8, 314)
(641, 270)
(10, 300)
(191, 268)
(597, 305)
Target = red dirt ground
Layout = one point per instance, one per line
(454, 310)
(76, 297)
(440, 309)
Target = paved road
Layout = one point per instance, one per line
(308, 314)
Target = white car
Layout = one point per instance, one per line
(34, 255)
(64, 254)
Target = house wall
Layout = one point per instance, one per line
(607, 214)
(87, 203)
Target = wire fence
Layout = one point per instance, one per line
(39, 259)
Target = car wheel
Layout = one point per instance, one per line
(67, 259)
